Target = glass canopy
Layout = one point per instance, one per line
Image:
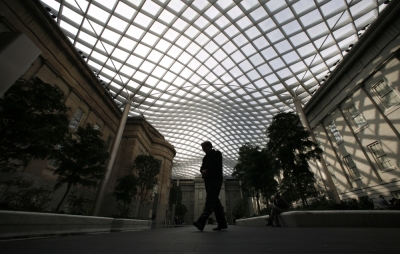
(212, 70)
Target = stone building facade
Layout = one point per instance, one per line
(355, 115)
(194, 196)
(26, 29)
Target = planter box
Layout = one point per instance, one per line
(27, 224)
(128, 224)
(253, 221)
(340, 218)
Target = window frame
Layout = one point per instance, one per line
(377, 158)
(74, 118)
(333, 132)
(109, 141)
(350, 116)
(396, 194)
(350, 168)
(381, 98)
(53, 163)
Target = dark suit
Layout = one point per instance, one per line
(212, 162)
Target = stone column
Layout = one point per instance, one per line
(113, 154)
(240, 188)
(320, 164)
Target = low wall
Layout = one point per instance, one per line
(253, 221)
(26, 224)
(354, 218)
(128, 224)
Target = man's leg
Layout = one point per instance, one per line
(278, 211)
(219, 216)
(213, 188)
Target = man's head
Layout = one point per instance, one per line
(277, 195)
(207, 146)
(381, 196)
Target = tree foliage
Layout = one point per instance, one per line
(125, 191)
(256, 169)
(33, 121)
(82, 158)
(291, 147)
(240, 208)
(146, 168)
(78, 204)
(180, 210)
(24, 196)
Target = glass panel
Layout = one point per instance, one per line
(73, 124)
(253, 52)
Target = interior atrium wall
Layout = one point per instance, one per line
(61, 65)
(194, 194)
(140, 138)
(356, 117)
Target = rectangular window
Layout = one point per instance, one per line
(380, 155)
(54, 163)
(332, 172)
(317, 139)
(356, 116)
(386, 94)
(352, 168)
(73, 124)
(396, 194)
(192, 196)
(184, 196)
(108, 142)
(332, 127)
(200, 194)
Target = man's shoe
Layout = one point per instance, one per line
(220, 228)
(198, 226)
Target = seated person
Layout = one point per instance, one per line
(382, 203)
(279, 206)
(394, 204)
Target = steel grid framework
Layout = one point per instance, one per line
(212, 70)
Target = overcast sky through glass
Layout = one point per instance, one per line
(212, 70)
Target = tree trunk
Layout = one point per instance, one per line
(62, 200)
(140, 205)
(258, 202)
(303, 200)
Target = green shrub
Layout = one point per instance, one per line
(78, 204)
(23, 196)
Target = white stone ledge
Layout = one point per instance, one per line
(340, 218)
(27, 224)
(353, 218)
(129, 224)
(253, 221)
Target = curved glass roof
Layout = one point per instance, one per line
(212, 70)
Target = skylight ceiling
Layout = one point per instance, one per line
(212, 70)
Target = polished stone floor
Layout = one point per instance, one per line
(237, 239)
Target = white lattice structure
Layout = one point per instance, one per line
(212, 70)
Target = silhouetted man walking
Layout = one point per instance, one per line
(211, 171)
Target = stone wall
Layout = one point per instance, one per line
(61, 65)
(373, 59)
